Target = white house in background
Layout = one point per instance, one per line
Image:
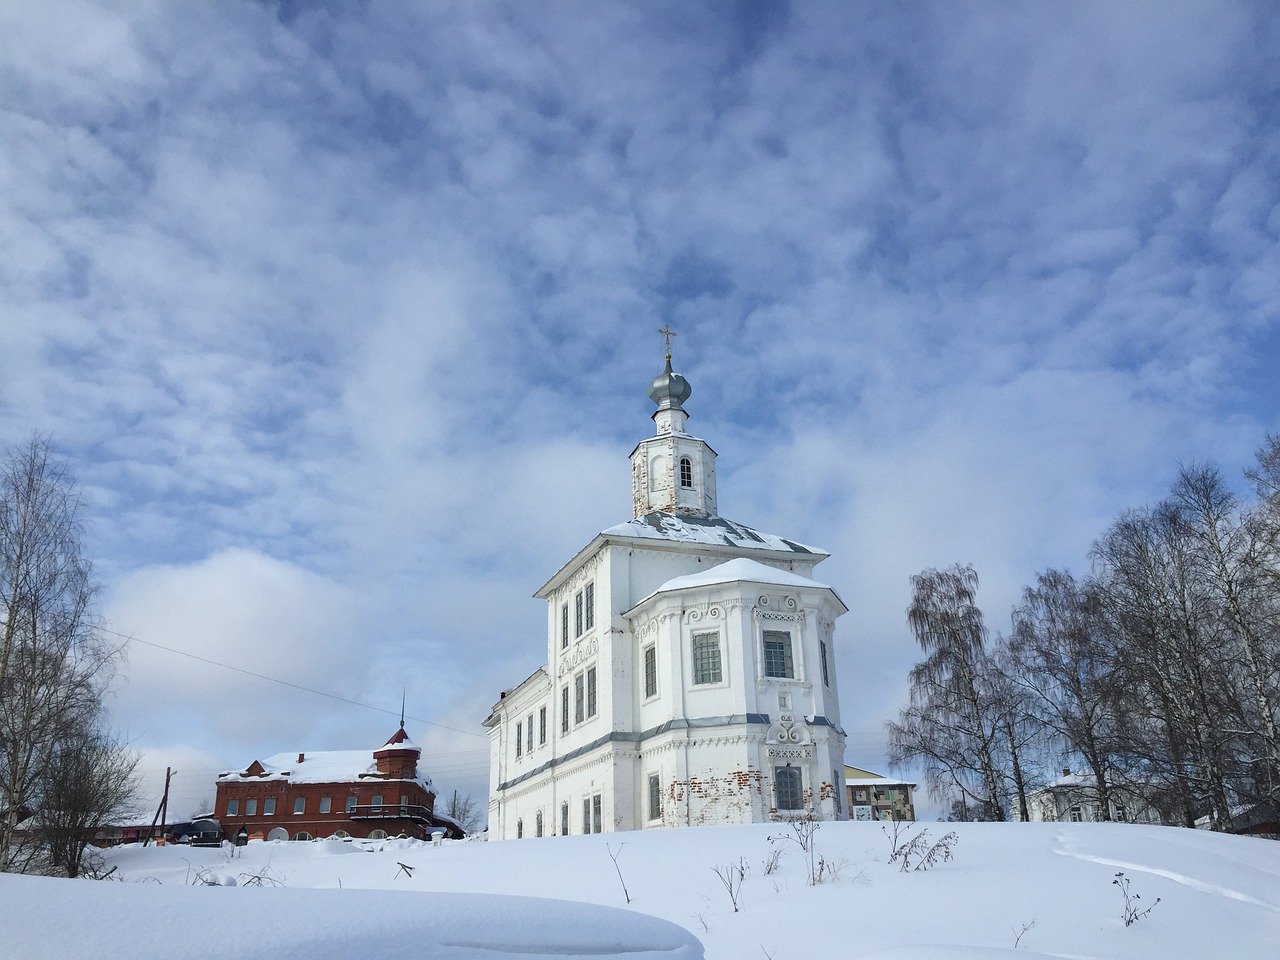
(1073, 798)
(690, 674)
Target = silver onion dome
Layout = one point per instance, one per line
(669, 389)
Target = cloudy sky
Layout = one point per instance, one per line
(343, 314)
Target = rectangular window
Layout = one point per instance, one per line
(326, 804)
(655, 797)
(826, 677)
(777, 654)
(233, 808)
(299, 805)
(564, 625)
(251, 808)
(564, 819)
(542, 726)
(586, 814)
(591, 691)
(519, 829)
(577, 614)
(519, 739)
(578, 699)
(269, 807)
(564, 709)
(787, 784)
(528, 732)
(591, 605)
(351, 804)
(706, 658)
(537, 824)
(595, 813)
(650, 672)
(377, 801)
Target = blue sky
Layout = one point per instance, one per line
(344, 313)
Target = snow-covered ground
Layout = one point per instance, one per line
(1047, 887)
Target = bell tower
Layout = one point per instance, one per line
(672, 472)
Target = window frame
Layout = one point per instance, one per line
(826, 674)
(715, 647)
(233, 807)
(251, 807)
(326, 804)
(519, 739)
(589, 602)
(528, 733)
(564, 709)
(593, 693)
(564, 818)
(787, 651)
(655, 797)
(686, 473)
(597, 810)
(564, 625)
(649, 670)
(778, 777)
(269, 807)
(350, 804)
(577, 615)
(537, 824)
(579, 698)
(542, 726)
(299, 806)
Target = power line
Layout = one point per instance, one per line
(289, 683)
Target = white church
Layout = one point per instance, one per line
(690, 674)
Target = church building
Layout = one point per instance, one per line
(690, 675)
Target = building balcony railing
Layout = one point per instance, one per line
(390, 811)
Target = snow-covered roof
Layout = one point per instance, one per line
(878, 782)
(686, 528)
(318, 766)
(738, 570)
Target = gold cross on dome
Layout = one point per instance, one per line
(668, 333)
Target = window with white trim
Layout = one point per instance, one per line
(706, 658)
(564, 625)
(251, 808)
(686, 473)
(233, 808)
(564, 709)
(519, 829)
(542, 726)
(589, 600)
(591, 692)
(326, 804)
(528, 734)
(826, 677)
(351, 803)
(595, 813)
(579, 699)
(577, 614)
(564, 819)
(777, 654)
(650, 671)
(519, 739)
(655, 797)
(299, 805)
(586, 814)
(269, 807)
(788, 788)
(537, 824)
(835, 791)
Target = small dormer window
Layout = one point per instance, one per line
(686, 472)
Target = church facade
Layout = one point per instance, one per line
(690, 675)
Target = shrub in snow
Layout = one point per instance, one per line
(1131, 912)
(732, 876)
(915, 852)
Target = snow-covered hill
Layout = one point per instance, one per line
(1046, 887)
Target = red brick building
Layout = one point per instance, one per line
(358, 793)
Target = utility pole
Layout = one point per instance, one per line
(162, 811)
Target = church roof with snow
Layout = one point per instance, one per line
(323, 766)
(738, 570)
(682, 528)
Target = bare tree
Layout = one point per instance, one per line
(1064, 665)
(952, 722)
(53, 662)
(463, 808)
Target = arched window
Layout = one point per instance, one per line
(377, 834)
(686, 472)
(302, 835)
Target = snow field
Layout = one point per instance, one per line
(1046, 886)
